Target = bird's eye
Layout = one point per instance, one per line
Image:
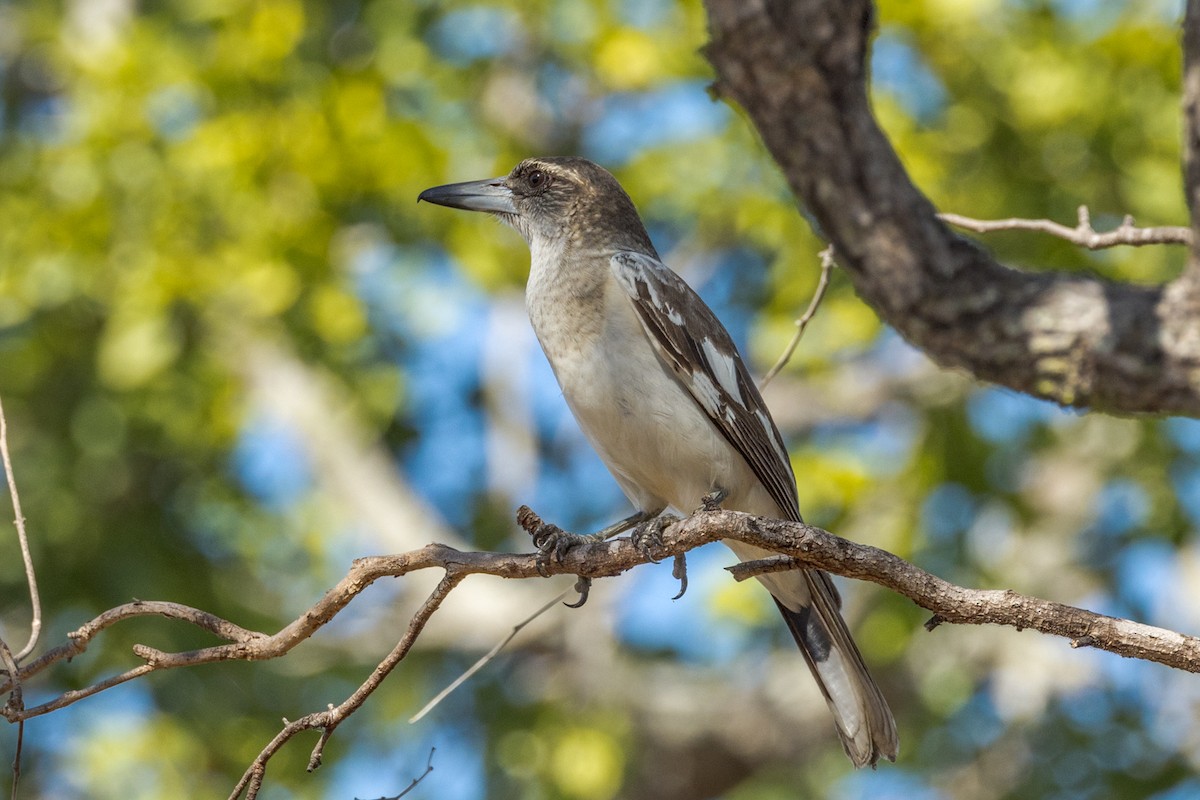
(536, 179)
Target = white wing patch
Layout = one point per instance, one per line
(692, 342)
(704, 390)
(725, 369)
(765, 421)
(630, 273)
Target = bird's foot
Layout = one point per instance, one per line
(551, 541)
(712, 501)
(553, 544)
(647, 536)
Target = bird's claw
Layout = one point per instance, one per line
(647, 537)
(583, 585)
(679, 573)
(712, 501)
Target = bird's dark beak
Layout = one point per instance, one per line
(489, 195)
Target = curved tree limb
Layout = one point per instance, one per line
(798, 68)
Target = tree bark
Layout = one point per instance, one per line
(798, 68)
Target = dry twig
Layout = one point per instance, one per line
(35, 624)
(827, 264)
(1083, 234)
(485, 658)
(416, 780)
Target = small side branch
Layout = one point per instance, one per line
(329, 719)
(827, 264)
(416, 780)
(1083, 234)
(35, 624)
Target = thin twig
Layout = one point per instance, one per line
(329, 719)
(478, 665)
(79, 639)
(419, 778)
(35, 625)
(16, 702)
(802, 323)
(1083, 234)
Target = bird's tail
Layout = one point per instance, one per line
(811, 607)
(864, 720)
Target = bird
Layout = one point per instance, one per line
(662, 394)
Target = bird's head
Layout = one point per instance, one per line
(554, 201)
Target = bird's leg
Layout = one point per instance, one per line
(632, 521)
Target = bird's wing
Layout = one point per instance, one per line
(695, 345)
(697, 348)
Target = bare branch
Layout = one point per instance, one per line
(798, 545)
(1083, 234)
(16, 702)
(814, 547)
(802, 323)
(416, 780)
(35, 624)
(329, 719)
(79, 639)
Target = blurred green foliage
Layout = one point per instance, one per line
(181, 180)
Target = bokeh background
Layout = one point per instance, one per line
(235, 355)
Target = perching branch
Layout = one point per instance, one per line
(1083, 234)
(799, 69)
(798, 544)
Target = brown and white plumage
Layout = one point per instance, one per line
(663, 395)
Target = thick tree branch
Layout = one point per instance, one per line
(798, 67)
(1191, 115)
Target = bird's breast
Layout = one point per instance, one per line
(653, 436)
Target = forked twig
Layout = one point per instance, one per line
(333, 716)
(1083, 234)
(419, 778)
